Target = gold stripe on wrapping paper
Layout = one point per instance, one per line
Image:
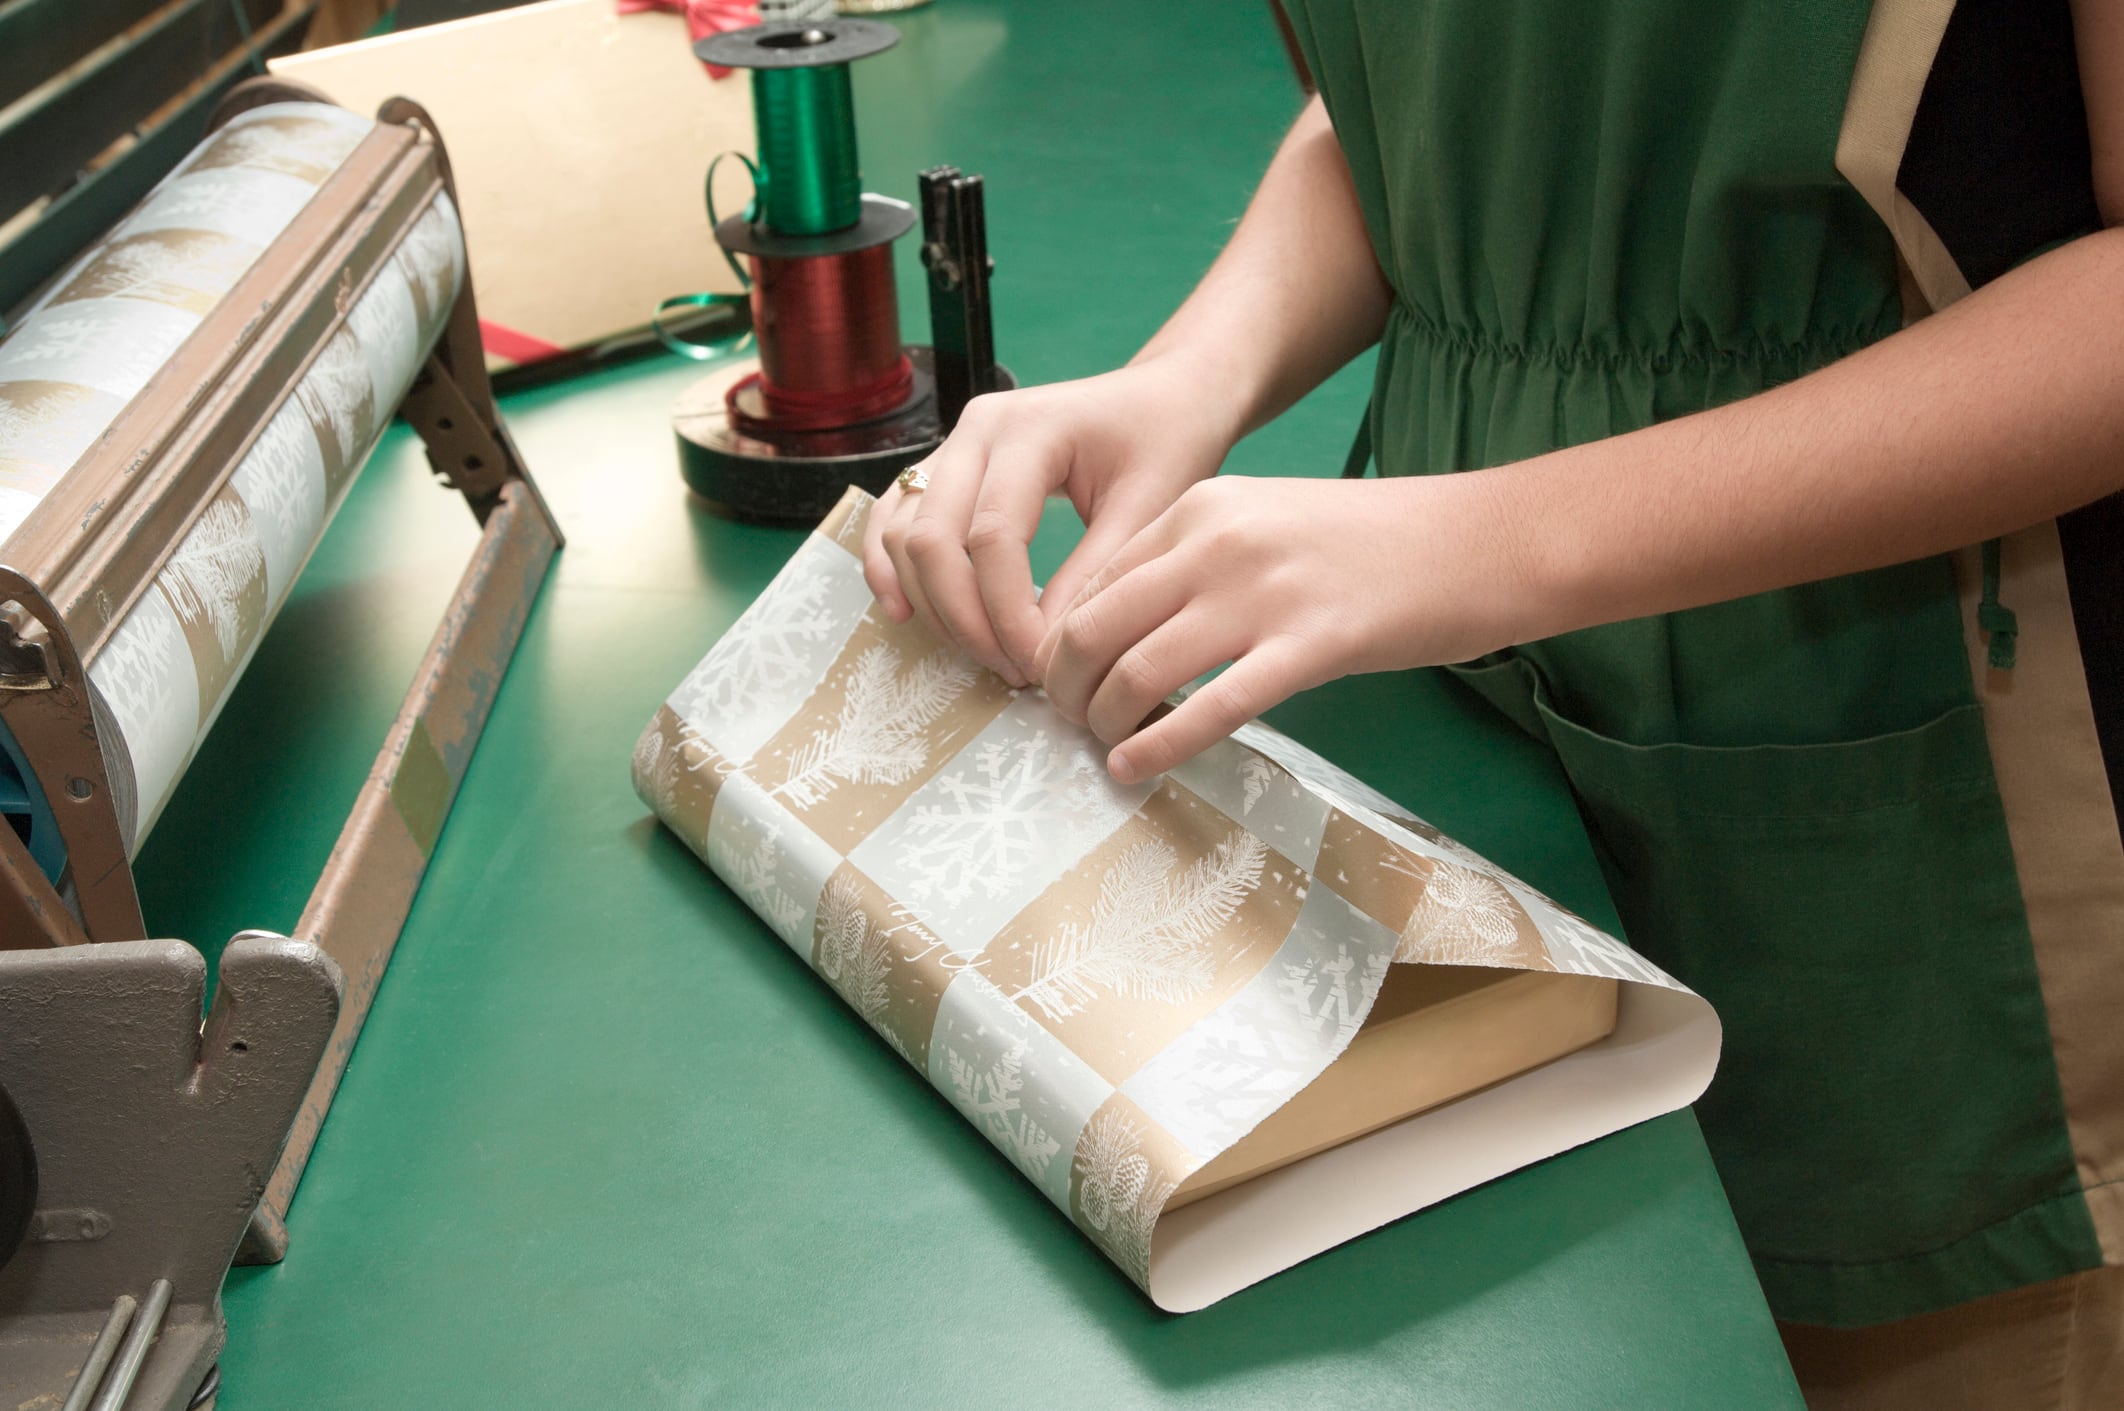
(1436, 1033)
(216, 584)
(845, 525)
(891, 711)
(182, 269)
(43, 427)
(1125, 1169)
(1157, 927)
(888, 966)
(340, 403)
(306, 148)
(678, 773)
(1446, 912)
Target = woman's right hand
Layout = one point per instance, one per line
(1122, 446)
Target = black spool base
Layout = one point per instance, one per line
(795, 477)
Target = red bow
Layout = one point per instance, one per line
(703, 18)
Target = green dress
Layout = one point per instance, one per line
(1597, 214)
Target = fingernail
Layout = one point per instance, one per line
(1117, 765)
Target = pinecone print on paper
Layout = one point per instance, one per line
(1152, 930)
(879, 736)
(1463, 918)
(1118, 1195)
(855, 956)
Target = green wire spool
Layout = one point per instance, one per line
(803, 110)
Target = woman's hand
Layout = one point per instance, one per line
(1294, 582)
(1122, 446)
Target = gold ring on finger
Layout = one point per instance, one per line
(914, 479)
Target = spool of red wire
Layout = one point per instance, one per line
(829, 335)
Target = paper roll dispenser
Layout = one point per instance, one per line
(180, 414)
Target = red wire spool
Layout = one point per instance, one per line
(829, 333)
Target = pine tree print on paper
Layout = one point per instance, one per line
(1118, 1196)
(1255, 775)
(878, 738)
(989, 1099)
(431, 252)
(308, 148)
(185, 269)
(216, 584)
(44, 427)
(336, 395)
(1000, 814)
(1150, 931)
(1463, 918)
(855, 956)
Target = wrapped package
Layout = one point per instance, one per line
(1223, 1019)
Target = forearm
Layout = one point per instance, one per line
(2001, 411)
(1295, 294)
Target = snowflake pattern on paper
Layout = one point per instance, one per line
(1118, 1194)
(750, 858)
(879, 737)
(1151, 931)
(1000, 811)
(989, 1096)
(765, 657)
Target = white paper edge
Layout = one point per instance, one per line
(1659, 1059)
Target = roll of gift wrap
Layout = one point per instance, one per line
(106, 328)
(1115, 984)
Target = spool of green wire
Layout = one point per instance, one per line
(805, 120)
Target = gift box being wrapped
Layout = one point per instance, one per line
(1224, 1019)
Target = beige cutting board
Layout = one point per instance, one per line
(580, 138)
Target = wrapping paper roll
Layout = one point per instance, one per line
(115, 318)
(1116, 985)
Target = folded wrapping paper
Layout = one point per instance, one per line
(1114, 983)
(112, 321)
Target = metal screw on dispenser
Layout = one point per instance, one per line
(834, 398)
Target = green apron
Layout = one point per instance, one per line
(1597, 214)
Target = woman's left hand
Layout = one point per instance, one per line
(1294, 582)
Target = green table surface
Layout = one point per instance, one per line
(605, 1142)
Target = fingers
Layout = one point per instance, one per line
(1005, 518)
(936, 546)
(1173, 654)
(878, 569)
(1264, 676)
(1099, 573)
(1081, 649)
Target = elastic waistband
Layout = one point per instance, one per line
(1682, 351)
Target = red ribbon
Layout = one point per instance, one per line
(703, 18)
(505, 342)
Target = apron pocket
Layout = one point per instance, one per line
(1853, 913)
